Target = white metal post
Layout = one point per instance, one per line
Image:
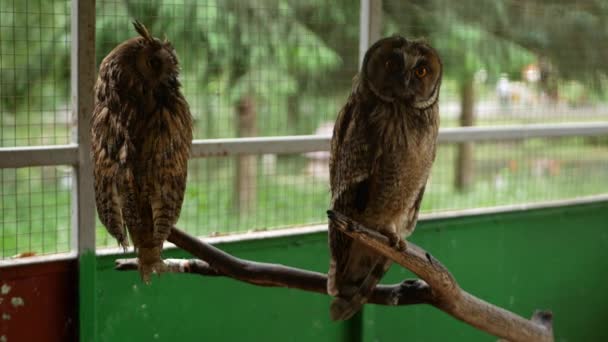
(370, 22)
(27, 156)
(83, 199)
(82, 82)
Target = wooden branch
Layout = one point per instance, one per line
(194, 266)
(447, 294)
(408, 292)
(437, 287)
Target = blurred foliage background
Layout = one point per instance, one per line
(284, 67)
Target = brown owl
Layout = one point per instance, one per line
(141, 136)
(382, 150)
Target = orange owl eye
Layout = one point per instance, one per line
(421, 71)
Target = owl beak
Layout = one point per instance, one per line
(406, 73)
(406, 78)
(408, 92)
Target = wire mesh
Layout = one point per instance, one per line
(511, 62)
(34, 72)
(284, 67)
(280, 191)
(292, 190)
(34, 110)
(515, 60)
(519, 172)
(281, 55)
(35, 211)
(252, 68)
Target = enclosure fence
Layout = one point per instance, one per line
(265, 82)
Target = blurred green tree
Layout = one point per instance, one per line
(34, 53)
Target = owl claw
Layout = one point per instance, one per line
(147, 270)
(395, 241)
(124, 247)
(401, 245)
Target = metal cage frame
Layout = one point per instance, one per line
(76, 154)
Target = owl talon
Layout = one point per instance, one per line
(156, 268)
(397, 242)
(394, 240)
(401, 245)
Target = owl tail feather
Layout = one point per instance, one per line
(342, 309)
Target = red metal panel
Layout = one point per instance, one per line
(38, 302)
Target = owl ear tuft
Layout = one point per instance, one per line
(422, 40)
(142, 30)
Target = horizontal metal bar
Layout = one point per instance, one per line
(507, 208)
(518, 132)
(260, 145)
(12, 157)
(313, 143)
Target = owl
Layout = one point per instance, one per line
(382, 150)
(141, 133)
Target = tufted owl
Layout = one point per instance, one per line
(382, 150)
(141, 133)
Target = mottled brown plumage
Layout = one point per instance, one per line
(382, 149)
(141, 136)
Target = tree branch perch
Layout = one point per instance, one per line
(220, 263)
(437, 287)
(447, 294)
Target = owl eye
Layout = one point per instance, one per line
(421, 71)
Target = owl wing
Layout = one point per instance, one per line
(106, 141)
(350, 159)
(353, 266)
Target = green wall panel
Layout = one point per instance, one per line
(195, 308)
(552, 258)
(547, 258)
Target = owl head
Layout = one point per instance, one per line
(155, 60)
(397, 69)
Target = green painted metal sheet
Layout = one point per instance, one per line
(194, 308)
(546, 258)
(543, 259)
(87, 308)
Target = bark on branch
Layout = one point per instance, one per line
(437, 287)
